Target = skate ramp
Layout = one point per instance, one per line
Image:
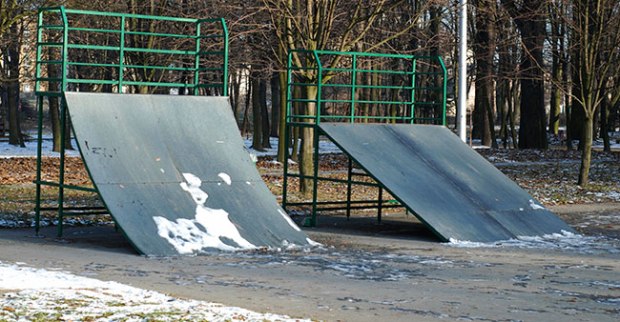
(174, 174)
(448, 186)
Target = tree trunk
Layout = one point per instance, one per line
(484, 49)
(3, 113)
(235, 92)
(248, 99)
(556, 100)
(306, 156)
(257, 124)
(604, 130)
(264, 114)
(12, 86)
(530, 18)
(275, 104)
(54, 111)
(586, 152)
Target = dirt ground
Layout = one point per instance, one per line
(396, 271)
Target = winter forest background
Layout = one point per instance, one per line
(538, 69)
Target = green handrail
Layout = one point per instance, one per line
(418, 98)
(64, 21)
(395, 81)
(58, 29)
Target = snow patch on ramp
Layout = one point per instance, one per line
(208, 230)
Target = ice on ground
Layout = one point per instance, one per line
(38, 294)
(562, 241)
(207, 230)
(614, 195)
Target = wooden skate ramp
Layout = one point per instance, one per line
(447, 185)
(174, 174)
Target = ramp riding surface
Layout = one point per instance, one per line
(447, 185)
(173, 172)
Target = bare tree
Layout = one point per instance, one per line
(596, 43)
(484, 55)
(530, 18)
(317, 25)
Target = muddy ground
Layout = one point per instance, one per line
(396, 271)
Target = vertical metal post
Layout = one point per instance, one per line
(353, 87)
(316, 135)
(287, 130)
(63, 121)
(197, 58)
(37, 87)
(444, 89)
(121, 56)
(380, 205)
(349, 186)
(37, 207)
(462, 100)
(413, 75)
(225, 64)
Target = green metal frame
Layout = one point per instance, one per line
(73, 34)
(415, 86)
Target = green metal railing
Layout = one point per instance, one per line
(353, 87)
(93, 51)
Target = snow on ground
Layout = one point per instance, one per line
(11, 151)
(559, 241)
(36, 294)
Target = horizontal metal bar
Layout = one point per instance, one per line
(210, 53)
(298, 124)
(92, 81)
(95, 47)
(73, 208)
(160, 51)
(211, 36)
(126, 15)
(66, 186)
(48, 79)
(367, 86)
(338, 53)
(359, 207)
(377, 71)
(91, 64)
(155, 84)
(367, 102)
(209, 85)
(302, 100)
(86, 213)
(50, 44)
(359, 183)
(109, 31)
(159, 34)
(49, 62)
(48, 94)
(186, 69)
(57, 27)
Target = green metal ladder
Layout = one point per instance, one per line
(344, 87)
(115, 47)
